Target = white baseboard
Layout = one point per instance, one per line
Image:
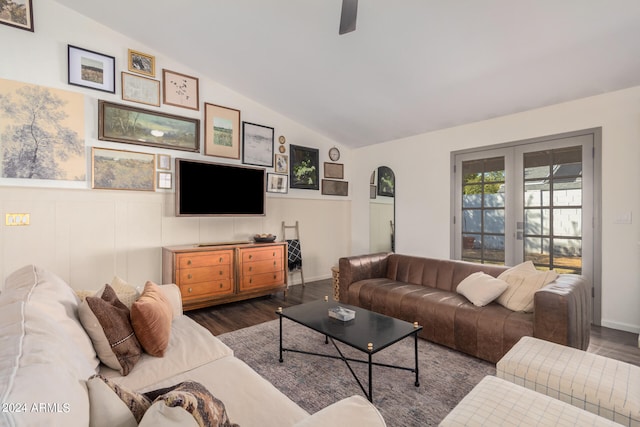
(621, 326)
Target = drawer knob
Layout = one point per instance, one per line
(251, 280)
(274, 263)
(250, 268)
(274, 276)
(221, 272)
(188, 262)
(189, 276)
(221, 285)
(274, 254)
(220, 259)
(190, 290)
(250, 256)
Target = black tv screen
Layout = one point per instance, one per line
(214, 189)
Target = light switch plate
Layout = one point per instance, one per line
(14, 219)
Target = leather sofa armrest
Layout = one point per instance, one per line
(562, 311)
(361, 267)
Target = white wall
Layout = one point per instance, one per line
(423, 190)
(87, 236)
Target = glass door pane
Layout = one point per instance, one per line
(483, 210)
(552, 230)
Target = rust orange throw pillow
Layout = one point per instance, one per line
(151, 317)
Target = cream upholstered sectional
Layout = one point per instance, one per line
(46, 359)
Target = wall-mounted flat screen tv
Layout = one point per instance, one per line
(215, 189)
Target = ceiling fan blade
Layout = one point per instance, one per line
(348, 17)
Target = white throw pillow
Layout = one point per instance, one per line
(524, 280)
(481, 288)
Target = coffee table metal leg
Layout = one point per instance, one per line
(415, 336)
(370, 379)
(281, 360)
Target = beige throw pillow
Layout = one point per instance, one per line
(524, 280)
(481, 288)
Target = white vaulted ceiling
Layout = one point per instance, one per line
(411, 66)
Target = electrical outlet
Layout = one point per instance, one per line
(13, 219)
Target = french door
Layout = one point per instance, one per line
(529, 201)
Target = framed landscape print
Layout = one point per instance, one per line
(17, 13)
(91, 69)
(304, 168)
(257, 144)
(132, 125)
(221, 131)
(142, 63)
(123, 170)
(180, 90)
(277, 183)
(140, 89)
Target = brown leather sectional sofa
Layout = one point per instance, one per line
(424, 290)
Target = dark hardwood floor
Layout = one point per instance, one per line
(612, 343)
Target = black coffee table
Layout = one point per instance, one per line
(368, 332)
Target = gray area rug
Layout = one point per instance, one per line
(313, 382)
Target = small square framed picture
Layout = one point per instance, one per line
(281, 163)
(142, 63)
(164, 162)
(165, 180)
(277, 183)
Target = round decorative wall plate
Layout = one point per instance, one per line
(334, 154)
(282, 149)
(282, 139)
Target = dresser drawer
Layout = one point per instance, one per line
(251, 255)
(202, 259)
(204, 289)
(262, 280)
(265, 266)
(203, 274)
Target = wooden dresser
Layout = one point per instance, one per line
(221, 273)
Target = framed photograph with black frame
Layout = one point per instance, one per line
(132, 125)
(91, 69)
(304, 168)
(19, 14)
(257, 144)
(277, 183)
(221, 131)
